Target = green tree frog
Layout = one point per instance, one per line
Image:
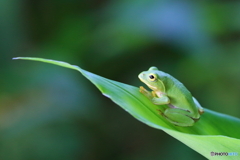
(183, 109)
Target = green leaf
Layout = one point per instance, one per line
(214, 132)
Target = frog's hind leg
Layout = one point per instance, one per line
(200, 108)
(178, 117)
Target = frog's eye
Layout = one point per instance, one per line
(152, 77)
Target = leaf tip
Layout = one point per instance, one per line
(15, 58)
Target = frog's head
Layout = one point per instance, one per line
(151, 79)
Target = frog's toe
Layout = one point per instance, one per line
(142, 90)
(201, 111)
(160, 112)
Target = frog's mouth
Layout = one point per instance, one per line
(141, 76)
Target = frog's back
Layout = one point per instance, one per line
(179, 95)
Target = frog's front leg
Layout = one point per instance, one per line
(145, 92)
(158, 100)
(161, 99)
(179, 117)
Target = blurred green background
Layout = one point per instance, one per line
(52, 113)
